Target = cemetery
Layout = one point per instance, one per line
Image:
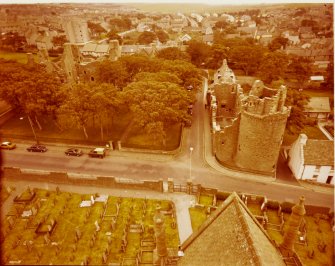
(54, 227)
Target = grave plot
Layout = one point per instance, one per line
(73, 229)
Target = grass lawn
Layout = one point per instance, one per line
(19, 57)
(310, 131)
(64, 209)
(139, 139)
(198, 216)
(206, 200)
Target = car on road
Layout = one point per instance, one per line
(7, 145)
(74, 152)
(97, 153)
(37, 148)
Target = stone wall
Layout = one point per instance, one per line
(77, 179)
(226, 141)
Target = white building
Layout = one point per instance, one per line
(312, 159)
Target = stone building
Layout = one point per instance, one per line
(76, 30)
(248, 128)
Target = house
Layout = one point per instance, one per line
(185, 38)
(312, 159)
(318, 108)
(232, 236)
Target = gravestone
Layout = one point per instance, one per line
(97, 227)
(57, 190)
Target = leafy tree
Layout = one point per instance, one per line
(120, 24)
(221, 24)
(112, 35)
(59, 40)
(299, 69)
(277, 43)
(218, 53)
(113, 72)
(30, 90)
(172, 53)
(199, 52)
(157, 104)
(146, 37)
(157, 76)
(247, 58)
(95, 27)
(162, 36)
(273, 66)
(297, 119)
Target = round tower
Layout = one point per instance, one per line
(259, 141)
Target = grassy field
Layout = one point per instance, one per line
(22, 243)
(19, 57)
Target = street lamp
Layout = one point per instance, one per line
(191, 149)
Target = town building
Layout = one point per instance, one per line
(312, 159)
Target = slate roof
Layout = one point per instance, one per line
(318, 105)
(319, 152)
(230, 236)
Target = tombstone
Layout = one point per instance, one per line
(97, 227)
(109, 240)
(52, 222)
(47, 239)
(104, 258)
(78, 233)
(49, 228)
(33, 211)
(113, 224)
(92, 199)
(57, 190)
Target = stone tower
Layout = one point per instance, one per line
(298, 212)
(161, 248)
(262, 126)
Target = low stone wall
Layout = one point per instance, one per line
(77, 179)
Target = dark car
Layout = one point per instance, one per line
(74, 152)
(37, 148)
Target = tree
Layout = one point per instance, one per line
(30, 90)
(113, 72)
(157, 104)
(95, 28)
(146, 37)
(218, 53)
(297, 119)
(173, 53)
(199, 52)
(162, 36)
(221, 24)
(247, 58)
(158, 76)
(298, 69)
(112, 35)
(59, 40)
(277, 43)
(273, 66)
(120, 24)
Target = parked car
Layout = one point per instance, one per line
(98, 153)
(8, 145)
(74, 152)
(37, 148)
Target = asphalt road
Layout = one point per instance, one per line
(146, 168)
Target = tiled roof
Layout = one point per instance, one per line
(318, 105)
(230, 236)
(319, 152)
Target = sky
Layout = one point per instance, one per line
(211, 2)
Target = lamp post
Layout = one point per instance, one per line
(191, 149)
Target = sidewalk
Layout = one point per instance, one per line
(182, 201)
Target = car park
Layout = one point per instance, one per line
(37, 148)
(74, 152)
(7, 145)
(97, 153)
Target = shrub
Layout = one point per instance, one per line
(273, 204)
(287, 206)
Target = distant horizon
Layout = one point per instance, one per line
(204, 2)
